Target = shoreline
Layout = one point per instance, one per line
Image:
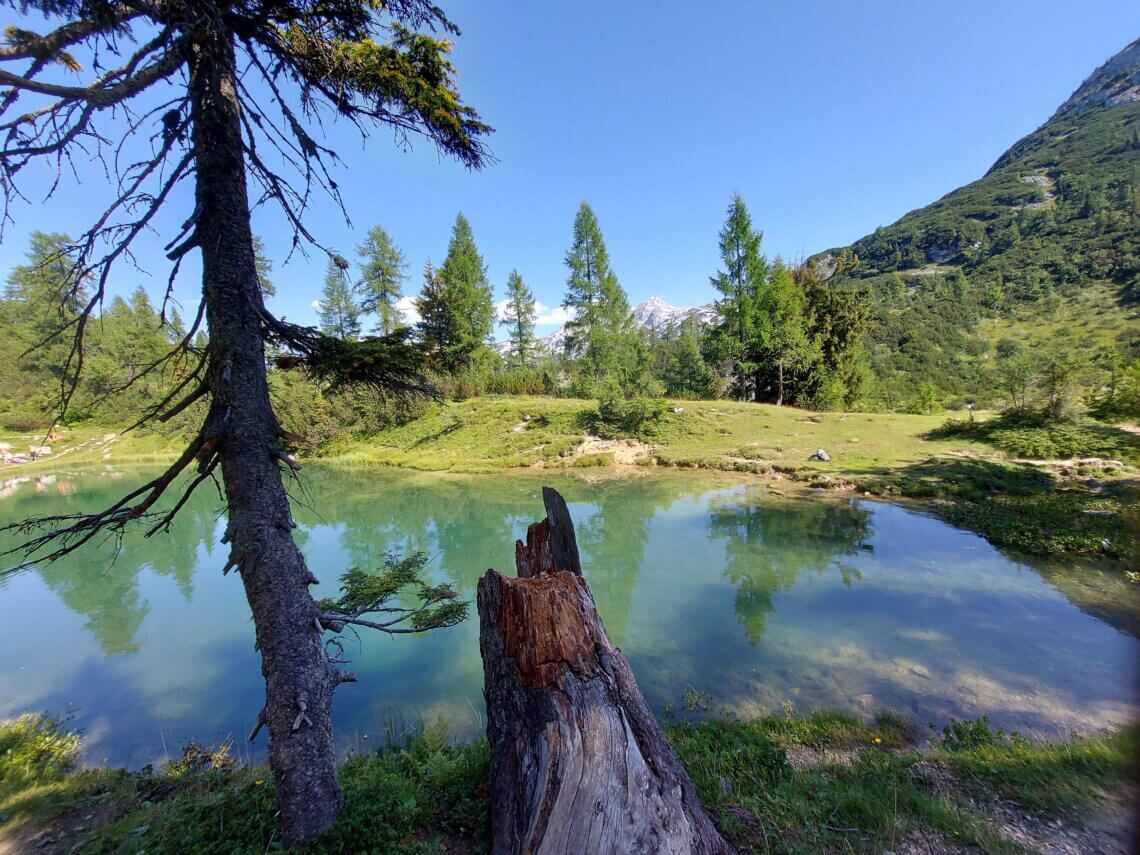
(1064, 508)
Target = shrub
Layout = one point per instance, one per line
(587, 460)
(636, 418)
(1039, 437)
(25, 422)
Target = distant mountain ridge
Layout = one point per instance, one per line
(653, 314)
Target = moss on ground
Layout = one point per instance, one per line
(827, 782)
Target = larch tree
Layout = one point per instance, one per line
(339, 310)
(518, 316)
(739, 283)
(382, 275)
(602, 334)
(589, 263)
(39, 298)
(221, 94)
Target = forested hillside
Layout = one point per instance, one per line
(1042, 248)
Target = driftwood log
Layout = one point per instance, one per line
(578, 762)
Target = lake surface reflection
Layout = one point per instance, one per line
(706, 585)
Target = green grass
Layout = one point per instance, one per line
(1035, 437)
(429, 796)
(492, 433)
(918, 456)
(92, 445)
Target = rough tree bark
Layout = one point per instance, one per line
(578, 762)
(299, 680)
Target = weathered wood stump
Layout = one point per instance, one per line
(578, 762)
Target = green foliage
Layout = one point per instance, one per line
(1120, 399)
(780, 336)
(784, 336)
(1049, 778)
(1052, 220)
(518, 315)
(339, 309)
(602, 336)
(264, 267)
(455, 304)
(382, 275)
(972, 734)
(1038, 436)
(925, 399)
(685, 372)
(35, 750)
(124, 368)
(618, 417)
(425, 794)
(364, 593)
(1048, 524)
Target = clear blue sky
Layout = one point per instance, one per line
(830, 118)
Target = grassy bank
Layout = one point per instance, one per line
(822, 783)
(972, 477)
(970, 473)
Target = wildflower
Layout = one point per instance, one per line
(258, 782)
(876, 740)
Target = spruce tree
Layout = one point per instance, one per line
(243, 85)
(518, 315)
(435, 324)
(339, 311)
(381, 277)
(781, 337)
(686, 374)
(467, 300)
(264, 267)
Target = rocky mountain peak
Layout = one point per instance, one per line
(1114, 83)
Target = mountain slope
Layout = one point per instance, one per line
(1080, 167)
(1045, 238)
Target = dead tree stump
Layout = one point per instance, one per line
(578, 762)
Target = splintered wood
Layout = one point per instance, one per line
(578, 762)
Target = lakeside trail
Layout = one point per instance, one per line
(825, 782)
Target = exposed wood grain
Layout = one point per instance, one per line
(578, 762)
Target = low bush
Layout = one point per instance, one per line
(972, 734)
(627, 418)
(1037, 437)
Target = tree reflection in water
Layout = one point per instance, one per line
(768, 547)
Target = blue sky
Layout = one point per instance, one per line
(830, 118)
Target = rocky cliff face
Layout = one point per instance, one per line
(1114, 83)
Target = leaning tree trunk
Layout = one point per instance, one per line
(299, 681)
(578, 762)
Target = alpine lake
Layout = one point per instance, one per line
(727, 597)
